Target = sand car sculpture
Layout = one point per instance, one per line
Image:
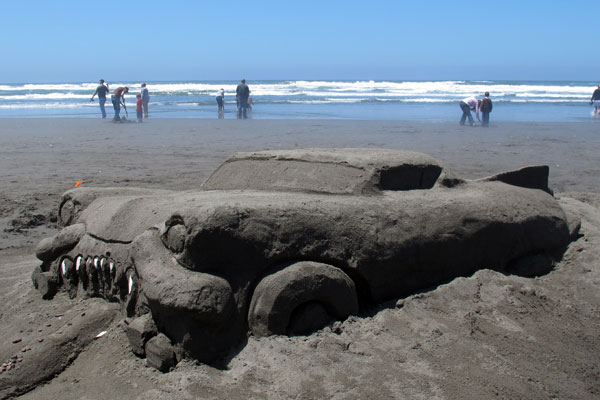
(284, 242)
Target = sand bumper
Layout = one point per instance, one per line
(170, 288)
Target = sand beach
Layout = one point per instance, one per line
(485, 336)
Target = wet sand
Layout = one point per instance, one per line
(485, 336)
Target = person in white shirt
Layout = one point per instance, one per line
(467, 105)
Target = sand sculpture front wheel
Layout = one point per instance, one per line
(301, 298)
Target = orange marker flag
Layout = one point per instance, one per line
(78, 183)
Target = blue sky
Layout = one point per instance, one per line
(58, 41)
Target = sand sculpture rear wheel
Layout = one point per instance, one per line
(301, 298)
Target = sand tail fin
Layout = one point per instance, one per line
(532, 177)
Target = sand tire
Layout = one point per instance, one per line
(283, 302)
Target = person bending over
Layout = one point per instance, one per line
(467, 105)
(117, 98)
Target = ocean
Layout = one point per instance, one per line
(308, 99)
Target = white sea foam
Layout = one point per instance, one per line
(45, 96)
(547, 101)
(76, 95)
(56, 86)
(565, 96)
(46, 105)
(319, 87)
(455, 89)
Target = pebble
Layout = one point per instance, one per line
(337, 327)
(11, 363)
(17, 340)
(40, 340)
(527, 290)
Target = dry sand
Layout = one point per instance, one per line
(484, 336)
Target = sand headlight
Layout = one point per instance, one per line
(174, 238)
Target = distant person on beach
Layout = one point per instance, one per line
(242, 92)
(139, 108)
(117, 98)
(250, 102)
(467, 105)
(145, 99)
(221, 102)
(595, 100)
(486, 108)
(101, 91)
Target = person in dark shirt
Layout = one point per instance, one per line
(101, 91)
(117, 97)
(242, 92)
(595, 100)
(486, 109)
(145, 99)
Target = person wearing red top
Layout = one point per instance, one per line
(139, 107)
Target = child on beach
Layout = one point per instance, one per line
(221, 102)
(139, 107)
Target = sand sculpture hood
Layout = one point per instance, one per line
(121, 219)
(283, 242)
